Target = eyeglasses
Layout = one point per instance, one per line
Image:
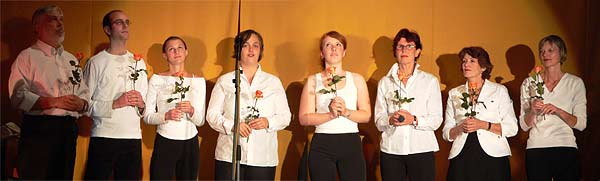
(405, 47)
(121, 22)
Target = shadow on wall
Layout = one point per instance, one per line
(17, 35)
(520, 60)
(206, 133)
(384, 59)
(293, 164)
(451, 76)
(357, 50)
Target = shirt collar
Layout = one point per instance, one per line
(47, 49)
(394, 71)
(258, 70)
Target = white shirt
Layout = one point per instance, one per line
(349, 93)
(427, 106)
(260, 149)
(498, 109)
(552, 131)
(43, 71)
(160, 88)
(108, 77)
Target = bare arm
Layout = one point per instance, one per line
(307, 113)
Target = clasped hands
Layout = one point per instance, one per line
(394, 119)
(129, 98)
(472, 124)
(337, 107)
(255, 124)
(178, 111)
(538, 107)
(68, 102)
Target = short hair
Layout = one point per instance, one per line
(244, 36)
(40, 12)
(410, 36)
(336, 35)
(164, 46)
(559, 42)
(106, 20)
(482, 57)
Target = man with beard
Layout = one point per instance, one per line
(45, 84)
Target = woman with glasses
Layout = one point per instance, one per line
(553, 103)
(408, 110)
(479, 118)
(176, 150)
(335, 101)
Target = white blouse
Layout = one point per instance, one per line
(260, 149)
(427, 106)
(496, 108)
(160, 88)
(552, 131)
(340, 124)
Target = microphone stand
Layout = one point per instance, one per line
(236, 155)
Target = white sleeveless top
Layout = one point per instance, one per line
(349, 94)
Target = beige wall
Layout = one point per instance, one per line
(508, 30)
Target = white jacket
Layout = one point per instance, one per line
(498, 109)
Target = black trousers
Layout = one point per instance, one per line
(419, 166)
(472, 163)
(557, 163)
(223, 172)
(178, 159)
(47, 148)
(332, 153)
(120, 158)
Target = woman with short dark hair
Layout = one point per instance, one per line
(408, 110)
(263, 112)
(479, 118)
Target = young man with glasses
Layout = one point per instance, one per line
(117, 103)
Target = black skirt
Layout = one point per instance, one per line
(472, 163)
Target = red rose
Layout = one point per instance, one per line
(79, 55)
(537, 69)
(259, 94)
(137, 57)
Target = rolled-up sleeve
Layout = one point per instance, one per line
(450, 122)
(381, 113)
(19, 87)
(508, 120)
(579, 106)
(199, 103)
(282, 116)
(215, 111)
(97, 107)
(433, 117)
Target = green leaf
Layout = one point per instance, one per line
(323, 91)
(465, 95)
(464, 105)
(171, 100)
